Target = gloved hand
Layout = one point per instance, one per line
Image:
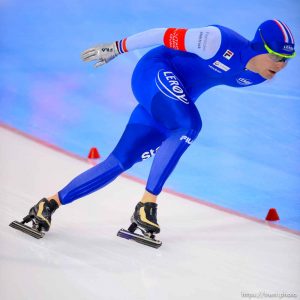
(103, 53)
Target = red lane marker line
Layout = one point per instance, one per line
(41, 142)
(138, 180)
(217, 207)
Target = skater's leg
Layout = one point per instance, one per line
(163, 95)
(168, 102)
(91, 180)
(148, 197)
(140, 136)
(185, 125)
(82, 185)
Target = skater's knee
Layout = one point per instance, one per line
(189, 126)
(195, 127)
(125, 161)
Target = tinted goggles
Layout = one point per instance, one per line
(276, 56)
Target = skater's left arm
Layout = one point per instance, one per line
(205, 42)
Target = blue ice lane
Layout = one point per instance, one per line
(247, 155)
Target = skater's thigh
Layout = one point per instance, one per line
(140, 139)
(161, 92)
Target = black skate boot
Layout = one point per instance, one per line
(144, 218)
(40, 215)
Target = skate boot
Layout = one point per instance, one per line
(40, 215)
(144, 218)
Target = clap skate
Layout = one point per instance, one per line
(144, 219)
(40, 216)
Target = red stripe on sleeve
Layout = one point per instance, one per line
(174, 38)
(124, 45)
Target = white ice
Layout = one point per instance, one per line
(206, 253)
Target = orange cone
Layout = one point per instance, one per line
(94, 154)
(272, 215)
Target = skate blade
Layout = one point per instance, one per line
(26, 229)
(123, 233)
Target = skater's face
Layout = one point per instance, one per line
(267, 65)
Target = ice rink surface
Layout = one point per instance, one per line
(207, 253)
(247, 155)
(245, 161)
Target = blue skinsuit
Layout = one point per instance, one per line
(166, 83)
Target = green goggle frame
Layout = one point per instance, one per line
(274, 52)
